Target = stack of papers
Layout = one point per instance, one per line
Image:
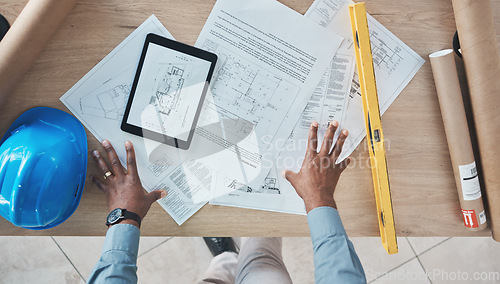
(337, 97)
(277, 72)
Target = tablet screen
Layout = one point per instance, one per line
(168, 91)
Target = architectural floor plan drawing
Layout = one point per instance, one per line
(169, 82)
(98, 100)
(247, 94)
(109, 104)
(242, 86)
(395, 64)
(166, 96)
(265, 75)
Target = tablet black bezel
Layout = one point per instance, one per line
(189, 50)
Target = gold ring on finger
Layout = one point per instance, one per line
(107, 174)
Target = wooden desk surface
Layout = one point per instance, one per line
(423, 190)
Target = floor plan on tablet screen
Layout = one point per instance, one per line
(168, 91)
(99, 99)
(168, 104)
(169, 82)
(275, 61)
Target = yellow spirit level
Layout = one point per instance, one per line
(374, 136)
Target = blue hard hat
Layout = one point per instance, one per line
(43, 165)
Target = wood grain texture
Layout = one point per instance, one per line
(423, 189)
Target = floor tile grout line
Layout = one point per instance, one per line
(393, 269)
(423, 268)
(68, 259)
(418, 259)
(154, 247)
(430, 247)
(416, 256)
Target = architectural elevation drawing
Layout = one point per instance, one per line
(109, 104)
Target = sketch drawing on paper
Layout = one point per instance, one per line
(109, 104)
(234, 184)
(270, 186)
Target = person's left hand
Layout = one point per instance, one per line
(123, 188)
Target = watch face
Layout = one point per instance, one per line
(114, 215)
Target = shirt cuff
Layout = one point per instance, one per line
(122, 237)
(325, 221)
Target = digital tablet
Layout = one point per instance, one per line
(168, 91)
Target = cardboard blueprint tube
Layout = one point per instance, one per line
(457, 135)
(27, 37)
(476, 31)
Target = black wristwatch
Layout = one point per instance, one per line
(118, 215)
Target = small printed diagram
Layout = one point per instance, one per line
(269, 186)
(355, 87)
(109, 104)
(386, 56)
(169, 82)
(235, 185)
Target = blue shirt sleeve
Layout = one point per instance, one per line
(119, 256)
(335, 260)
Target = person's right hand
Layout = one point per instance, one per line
(122, 187)
(318, 177)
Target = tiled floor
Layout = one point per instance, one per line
(183, 260)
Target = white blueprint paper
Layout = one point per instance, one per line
(269, 72)
(327, 103)
(263, 80)
(395, 65)
(394, 62)
(98, 100)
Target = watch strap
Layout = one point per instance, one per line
(124, 215)
(132, 216)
